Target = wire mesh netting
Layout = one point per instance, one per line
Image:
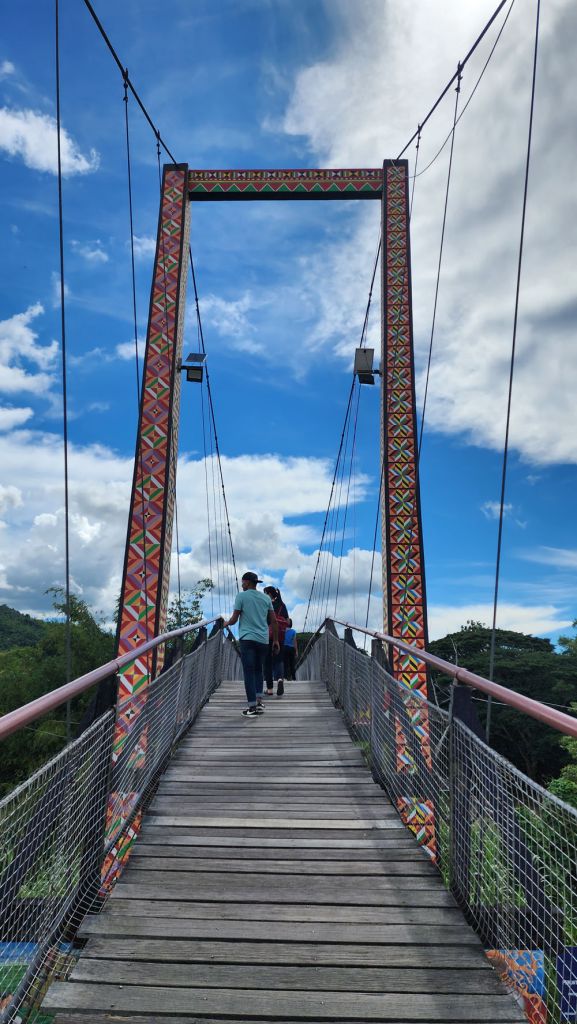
(505, 847)
(60, 827)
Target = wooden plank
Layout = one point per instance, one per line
(333, 953)
(271, 822)
(287, 892)
(280, 931)
(307, 812)
(307, 786)
(391, 840)
(323, 830)
(299, 1004)
(403, 853)
(311, 888)
(332, 979)
(226, 777)
(317, 868)
(242, 911)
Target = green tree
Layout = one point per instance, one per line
(565, 785)
(569, 643)
(28, 672)
(186, 609)
(528, 665)
(18, 630)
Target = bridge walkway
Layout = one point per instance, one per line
(273, 880)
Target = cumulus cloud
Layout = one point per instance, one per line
(231, 318)
(492, 509)
(125, 350)
(396, 43)
(31, 136)
(19, 348)
(92, 252)
(32, 551)
(144, 246)
(536, 619)
(11, 417)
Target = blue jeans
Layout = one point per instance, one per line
(252, 655)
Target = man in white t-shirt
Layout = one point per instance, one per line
(255, 612)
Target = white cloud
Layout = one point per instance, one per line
(32, 137)
(92, 252)
(56, 290)
(10, 497)
(7, 68)
(537, 619)
(232, 320)
(492, 509)
(144, 246)
(561, 558)
(126, 349)
(400, 42)
(18, 349)
(32, 549)
(11, 417)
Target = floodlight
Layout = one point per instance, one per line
(363, 367)
(193, 367)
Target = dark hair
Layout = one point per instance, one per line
(290, 622)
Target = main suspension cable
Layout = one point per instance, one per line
(122, 70)
(512, 364)
(473, 91)
(449, 84)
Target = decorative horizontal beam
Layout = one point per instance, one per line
(351, 183)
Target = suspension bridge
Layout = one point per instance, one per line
(357, 853)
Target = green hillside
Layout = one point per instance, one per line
(18, 630)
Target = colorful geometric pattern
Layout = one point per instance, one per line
(365, 183)
(419, 817)
(404, 591)
(403, 576)
(149, 540)
(117, 858)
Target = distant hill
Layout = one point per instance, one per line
(18, 630)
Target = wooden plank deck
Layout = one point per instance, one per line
(273, 881)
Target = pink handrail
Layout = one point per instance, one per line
(28, 713)
(550, 716)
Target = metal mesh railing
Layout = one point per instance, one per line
(58, 828)
(505, 847)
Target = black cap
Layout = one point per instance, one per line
(251, 577)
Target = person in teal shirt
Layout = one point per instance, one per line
(253, 611)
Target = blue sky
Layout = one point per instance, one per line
(283, 289)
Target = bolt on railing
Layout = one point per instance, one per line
(505, 847)
(59, 830)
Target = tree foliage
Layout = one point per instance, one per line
(27, 672)
(529, 665)
(18, 630)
